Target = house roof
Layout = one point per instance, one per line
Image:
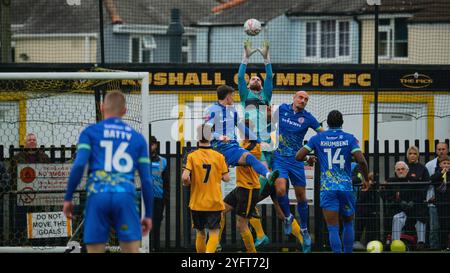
(46, 17)
(263, 10)
(158, 12)
(38, 18)
(426, 11)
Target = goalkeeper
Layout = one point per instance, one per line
(256, 98)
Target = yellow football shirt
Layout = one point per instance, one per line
(246, 177)
(207, 167)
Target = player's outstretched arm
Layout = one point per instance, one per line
(268, 82)
(264, 50)
(364, 169)
(242, 84)
(248, 51)
(76, 173)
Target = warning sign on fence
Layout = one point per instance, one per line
(34, 180)
(48, 225)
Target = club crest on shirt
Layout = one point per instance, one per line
(301, 120)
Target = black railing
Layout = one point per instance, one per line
(176, 232)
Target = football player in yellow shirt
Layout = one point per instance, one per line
(204, 171)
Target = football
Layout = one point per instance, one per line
(252, 27)
(375, 247)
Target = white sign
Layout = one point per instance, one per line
(227, 187)
(48, 225)
(34, 178)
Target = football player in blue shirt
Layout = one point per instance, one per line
(222, 116)
(113, 151)
(293, 121)
(334, 149)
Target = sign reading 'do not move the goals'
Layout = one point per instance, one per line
(48, 225)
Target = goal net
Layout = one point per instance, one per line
(52, 108)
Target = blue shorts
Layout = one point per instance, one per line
(290, 169)
(231, 151)
(343, 202)
(117, 210)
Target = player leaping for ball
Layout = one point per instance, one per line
(256, 98)
(334, 149)
(293, 121)
(223, 118)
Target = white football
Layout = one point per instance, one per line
(252, 27)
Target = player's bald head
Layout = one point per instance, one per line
(114, 104)
(302, 94)
(300, 100)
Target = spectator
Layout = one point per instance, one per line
(366, 211)
(405, 201)
(442, 198)
(30, 154)
(441, 152)
(160, 191)
(417, 171)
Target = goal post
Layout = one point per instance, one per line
(13, 83)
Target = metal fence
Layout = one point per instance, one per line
(375, 209)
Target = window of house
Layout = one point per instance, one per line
(311, 41)
(393, 38)
(328, 39)
(142, 48)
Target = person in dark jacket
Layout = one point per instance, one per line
(405, 200)
(442, 198)
(417, 171)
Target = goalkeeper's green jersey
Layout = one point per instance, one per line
(256, 103)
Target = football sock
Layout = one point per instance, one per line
(296, 231)
(284, 204)
(256, 224)
(302, 208)
(257, 165)
(248, 241)
(348, 237)
(200, 243)
(213, 241)
(335, 240)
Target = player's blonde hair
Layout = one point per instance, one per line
(114, 103)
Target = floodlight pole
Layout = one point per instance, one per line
(376, 91)
(102, 32)
(376, 77)
(175, 32)
(5, 32)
